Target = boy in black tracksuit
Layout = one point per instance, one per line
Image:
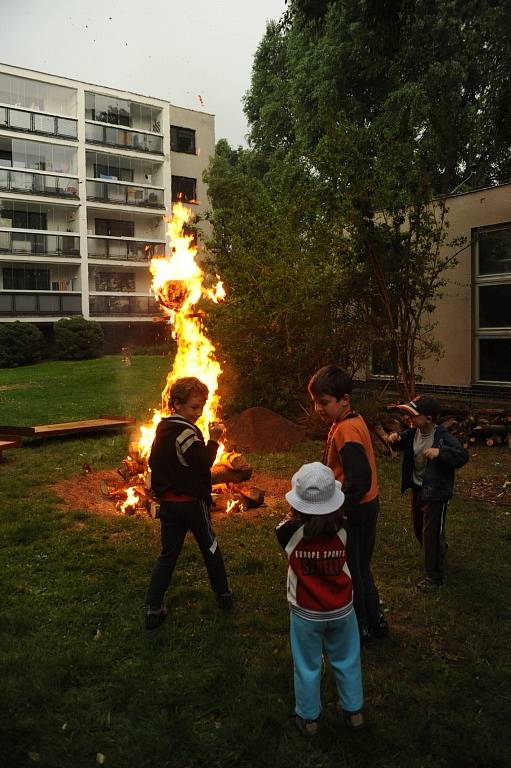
(430, 457)
(180, 463)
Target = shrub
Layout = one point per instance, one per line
(78, 339)
(20, 343)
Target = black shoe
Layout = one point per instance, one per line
(380, 628)
(225, 600)
(428, 585)
(307, 728)
(365, 635)
(155, 616)
(354, 721)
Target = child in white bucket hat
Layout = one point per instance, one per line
(320, 595)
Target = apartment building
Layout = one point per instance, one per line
(87, 174)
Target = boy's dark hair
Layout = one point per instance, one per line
(182, 389)
(331, 380)
(315, 526)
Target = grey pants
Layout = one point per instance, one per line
(429, 528)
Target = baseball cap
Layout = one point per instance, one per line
(421, 406)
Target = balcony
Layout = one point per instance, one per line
(27, 182)
(141, 306)
(38, 123)
(16, 304)
(123, 250)
(38, 244)
(124, 194)
(123, 138)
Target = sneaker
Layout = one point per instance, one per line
(307, 728)
(380, 628)
(225, 600)
(155, 616)
(428, 585)
(354, 721)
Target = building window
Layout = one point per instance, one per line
(114, 228)
(115, 281)
(182, 139)
(23, 219)
(26, 279)
(112, 172)
(380, 362)
(184, 189)
(492, 302)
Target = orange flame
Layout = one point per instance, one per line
(178, 286)
(132, 499)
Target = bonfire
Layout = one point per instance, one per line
(179, 284)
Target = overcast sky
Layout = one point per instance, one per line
(172, 50)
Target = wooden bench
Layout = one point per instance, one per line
(103, 423)
(8, 442)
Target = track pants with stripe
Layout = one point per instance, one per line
(176, 519)
(429, 527)
(342, 644)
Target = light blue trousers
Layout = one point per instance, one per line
(342, 643)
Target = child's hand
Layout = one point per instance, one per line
(431, 453)
(216, 430)
(393, 437)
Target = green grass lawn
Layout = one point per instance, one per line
(80, 676)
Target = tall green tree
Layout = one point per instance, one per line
(389, 105)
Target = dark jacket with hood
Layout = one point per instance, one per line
(438, 481)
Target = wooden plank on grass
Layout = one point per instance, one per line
(9, 442)
(69, 427)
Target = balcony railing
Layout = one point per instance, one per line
(142, 306)
(112, 136)
(123, 250)
(31, 183)
(38, 123)
(124, 194)
(36, 244)
(43, 303)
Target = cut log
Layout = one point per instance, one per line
(490, 430)
(252, 495)
(222, 474)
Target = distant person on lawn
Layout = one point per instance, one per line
(349, 454)
(430, 457)
(320, 595)
(180, 464)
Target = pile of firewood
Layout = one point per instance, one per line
(132, 495)
(472, 426)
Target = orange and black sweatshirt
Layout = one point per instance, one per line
(349, 454)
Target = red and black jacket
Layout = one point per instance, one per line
(319, 584)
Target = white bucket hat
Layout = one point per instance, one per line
(315, 491)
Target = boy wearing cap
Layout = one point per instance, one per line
(320, 595)
(349, 453)
(430, 457)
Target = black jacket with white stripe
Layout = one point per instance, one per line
(180, 461)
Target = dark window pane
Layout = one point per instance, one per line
(184, 189)
(495, 252)
(381, 364)
(495, 306)
(26, 279)
(114, 228)
(495, 360)
(182, 139)
(67, 127)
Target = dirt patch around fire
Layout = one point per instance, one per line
(259, 430)
(84, 492)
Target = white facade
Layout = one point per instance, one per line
(87, 176)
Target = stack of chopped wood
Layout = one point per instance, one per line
(472, 425)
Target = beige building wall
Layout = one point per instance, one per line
(455, 311)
